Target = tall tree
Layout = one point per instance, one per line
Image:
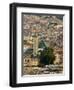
(47, 56)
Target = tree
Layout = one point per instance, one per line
(47, 56)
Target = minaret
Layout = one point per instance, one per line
(35, 44)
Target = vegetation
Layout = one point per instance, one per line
(47, 56)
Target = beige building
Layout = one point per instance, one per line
(58, 56)
(28, 61)
(29, 64)
(57, 59)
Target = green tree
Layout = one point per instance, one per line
(47, 56)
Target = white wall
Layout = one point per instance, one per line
(4, 43)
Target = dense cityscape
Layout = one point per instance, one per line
(42, 44)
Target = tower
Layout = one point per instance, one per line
(35, 44)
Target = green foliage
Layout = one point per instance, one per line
(47, 56)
